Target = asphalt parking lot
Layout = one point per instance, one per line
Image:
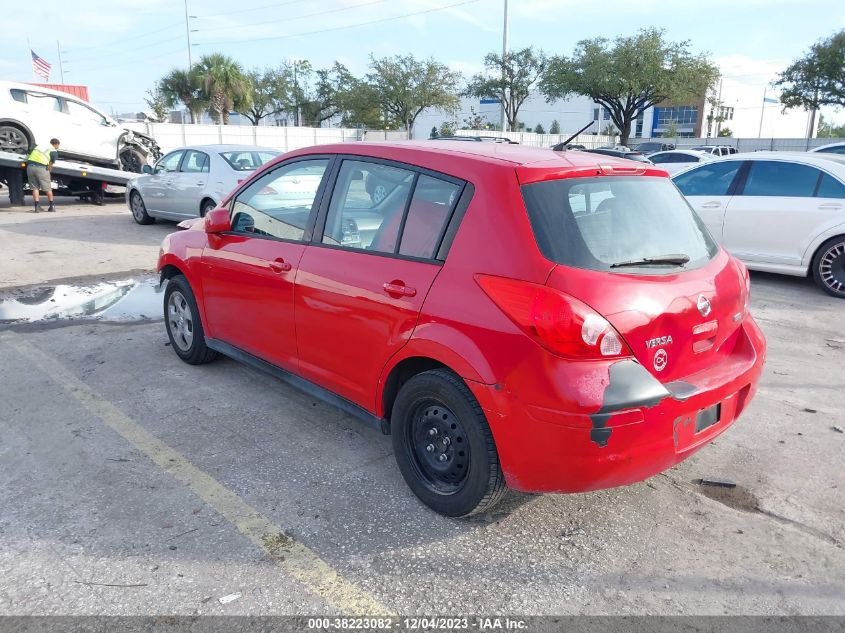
(133, 483)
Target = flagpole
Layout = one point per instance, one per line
(29, 47)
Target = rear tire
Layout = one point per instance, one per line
(182, 319)
(444, 447)
(139, 209)
(829, 267)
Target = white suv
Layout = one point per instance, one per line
(31, 115)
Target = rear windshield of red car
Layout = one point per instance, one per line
(609, 222)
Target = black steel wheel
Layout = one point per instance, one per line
(443, 445)
(829, 267)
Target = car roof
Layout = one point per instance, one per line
(36, 88)
(688, 152)
(821, 147)
(227, 147)
(455, 157)
(499, 153)
(819, 159)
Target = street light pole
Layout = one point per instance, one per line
(188, 35)
(504, 61)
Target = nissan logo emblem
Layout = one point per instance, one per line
(704, 306)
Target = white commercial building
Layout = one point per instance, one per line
(746, 114)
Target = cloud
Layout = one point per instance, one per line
(745, 69)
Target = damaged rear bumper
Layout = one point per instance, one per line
(641, 428)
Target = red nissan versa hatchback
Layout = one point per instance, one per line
(547, 321)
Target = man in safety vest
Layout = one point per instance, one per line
(39, 164)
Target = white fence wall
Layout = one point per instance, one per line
(172, 135)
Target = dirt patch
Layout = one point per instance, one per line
(736, 497)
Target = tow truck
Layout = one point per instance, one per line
(73, 178)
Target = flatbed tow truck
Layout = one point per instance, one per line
(73, 178)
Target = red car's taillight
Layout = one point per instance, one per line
(559, 322)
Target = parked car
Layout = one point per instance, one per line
(31, 114)
(562, 147)
(779, 212)
(715, 150)
(188, 182)
(485, 139)
(830, 148)
(548, 322)
(678, 159)
(650, 147)
(616, 153)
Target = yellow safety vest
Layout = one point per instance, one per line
(41, 154)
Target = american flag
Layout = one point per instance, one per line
(40, 66)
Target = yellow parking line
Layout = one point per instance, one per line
(292, 556)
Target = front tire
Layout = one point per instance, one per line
(139, 209)
(207, 206)
(443, 445)
(132, 160)
(182, 319)
(829, 267)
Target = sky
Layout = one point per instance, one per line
(119, 48)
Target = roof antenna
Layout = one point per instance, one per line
(566, 142)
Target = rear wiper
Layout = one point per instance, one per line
(678, 259)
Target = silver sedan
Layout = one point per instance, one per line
(190, 181)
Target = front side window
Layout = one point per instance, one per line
(280, 203)
(195, 162)
(600, 223)
(779, 178)
(711, 179)
(367, 206)
(169, 163)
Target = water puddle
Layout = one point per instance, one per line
(124, 300)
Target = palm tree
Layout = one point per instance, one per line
(182, 85)
(224, 84)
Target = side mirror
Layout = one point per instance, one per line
(146, 169)
(217, 221)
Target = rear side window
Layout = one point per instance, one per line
(430, 209)
(778, 178)
(830, 188)
(367, 206)
(593, 223)
(711, 179)
(247, 160)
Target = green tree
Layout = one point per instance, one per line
(434, 132)
(508, 79)
(182, 86)
(474, 121)
(270, 91)
(447, 128)
(555, 128)
(158, 104)
(539, 129)
(817, 79)
(405, 86)
(630, 74)
(224, 84)
(670, 130)
(325, 98)
(360, 106)
(725, 132)
(828, 130)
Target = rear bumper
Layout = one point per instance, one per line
(642, 428)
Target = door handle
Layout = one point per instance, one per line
(399, 288)
(200, 184)
(711, 205)
(280, 266)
